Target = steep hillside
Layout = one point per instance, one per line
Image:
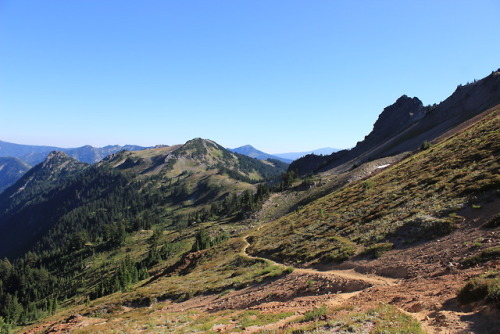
(186, 239)
(27, 207)
(11, 170)
(406, 124)
(417, 199)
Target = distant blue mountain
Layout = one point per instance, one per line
(296, 155)
(11, 170)
(252, 152)
(33, 154)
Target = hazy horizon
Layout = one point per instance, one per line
(282, 76)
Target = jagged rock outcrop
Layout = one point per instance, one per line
(406, 124)
(395, 118)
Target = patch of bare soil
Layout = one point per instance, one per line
(67, 325)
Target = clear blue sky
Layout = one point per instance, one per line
(280, 75)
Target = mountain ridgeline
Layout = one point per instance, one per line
(61, 196)
(16, 159)
(406, 124)
(34, 154)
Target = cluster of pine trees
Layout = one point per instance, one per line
(203, 240)
(127, 273)
(27, 291)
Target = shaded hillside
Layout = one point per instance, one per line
(28, 208)
(11, 170)
(406, 124)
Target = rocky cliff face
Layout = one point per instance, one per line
(404, 125)
(394, 119)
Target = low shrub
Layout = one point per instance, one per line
(340, 254)
(428, 228)
(485, 255)
(368, 184)
(485, 287)
(494, 222)
(377, 250)
(425, 145)
(315, 314)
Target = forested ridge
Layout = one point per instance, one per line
(63, 214)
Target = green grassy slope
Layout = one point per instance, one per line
(416, 199)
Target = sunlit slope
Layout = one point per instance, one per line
(419, 198)
(194, 175)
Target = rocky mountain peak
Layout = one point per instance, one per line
(56, 158)
(59, 163)
(58, 155)
(398, 116)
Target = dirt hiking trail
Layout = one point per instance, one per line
(350, 274)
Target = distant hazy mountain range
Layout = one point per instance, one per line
(33, 154)
(11, 169)
(297, 155)
(252, 152)
(17, 159)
